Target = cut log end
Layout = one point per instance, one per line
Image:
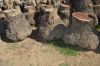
(65, 6)
(85, 17)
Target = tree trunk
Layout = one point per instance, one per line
(51, 24)
(82, 31)
(18, 27)
(85, 6)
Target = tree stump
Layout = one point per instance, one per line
(18, 28)
(51, 24)
(82, 31)
(85, 6)
(64, 11)
(30, 15)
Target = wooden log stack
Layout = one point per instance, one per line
(73, 21)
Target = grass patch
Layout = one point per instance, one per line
(31, 65)
(63, 64)
(67, 50)
(12, 46)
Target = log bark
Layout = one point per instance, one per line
(85, 6)
(82, 32)
(97, 7)
(30, 15)
(18, 27)
(64, 11)
(8, 4)
(51, 24)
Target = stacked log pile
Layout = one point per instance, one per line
(73, 21)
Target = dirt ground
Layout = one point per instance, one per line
(33, 53)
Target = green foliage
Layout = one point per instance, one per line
(63, 48)
(31, 65)
(98, 27)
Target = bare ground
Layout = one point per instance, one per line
(33, 53)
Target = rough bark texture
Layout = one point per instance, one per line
(97, 7)
(85, 6)
(8, 4)
(30, 15)
(18, 27)
(82, 32)
(51, 24)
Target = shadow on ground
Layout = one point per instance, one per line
(56, 42)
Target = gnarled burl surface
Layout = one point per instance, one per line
(51, 25)
(18, 28)
(82, 31)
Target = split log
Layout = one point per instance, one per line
(82, 32)
(51, 24)
(85, 6)
(18, 27)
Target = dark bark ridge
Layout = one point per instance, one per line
(2, 22)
